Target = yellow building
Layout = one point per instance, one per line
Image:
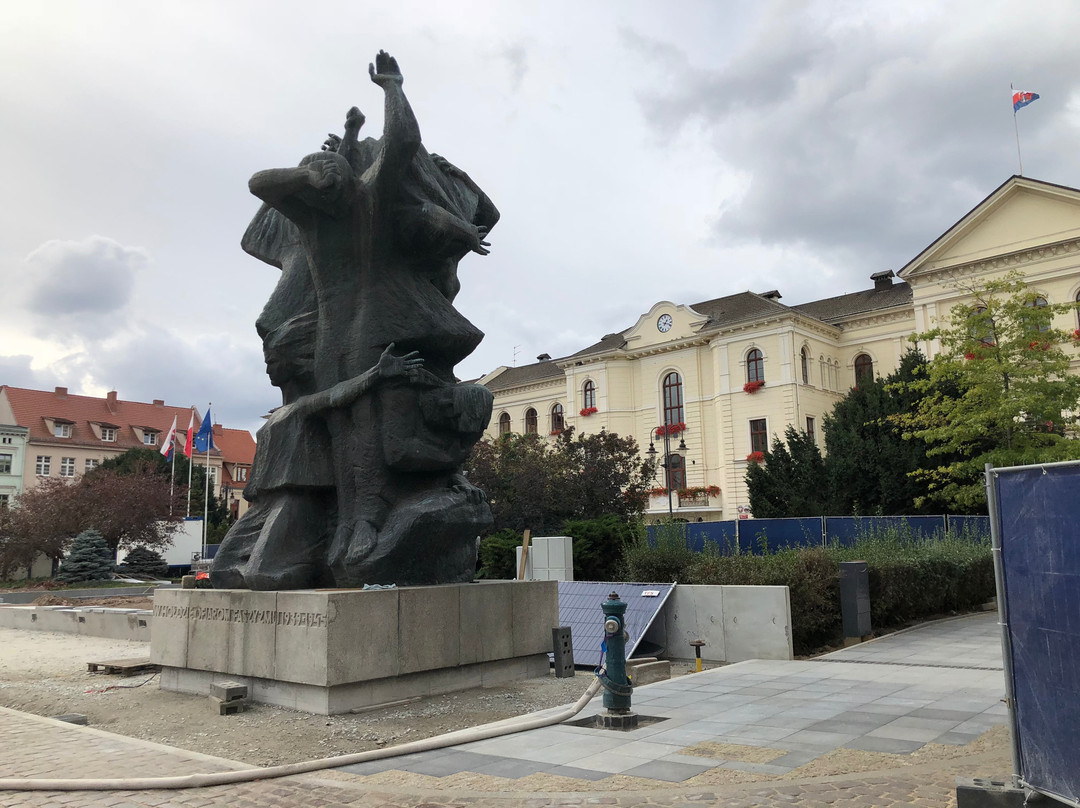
(734, 372)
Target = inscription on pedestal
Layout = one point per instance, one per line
(265, 617)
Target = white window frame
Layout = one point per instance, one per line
(811, 428)
(150, 438)
(67, 466)
(62, 430)
(43, 467)
(108, 434)
(8, 460)
(90, 464)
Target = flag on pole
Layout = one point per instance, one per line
(190, 435)
(1022, 99)
(167, 444)
(204, 438)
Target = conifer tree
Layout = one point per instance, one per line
(90, 559)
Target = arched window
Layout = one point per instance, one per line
(805, 361)
(824, 373)
(676, 472)
(755, 366)
(673, 401)
(504, 424)
(836, 375)
(530, 421)
(1078, 309)
(1039, 303)
(981, 327)
(864, 369)
(557, 418)
(588, 395)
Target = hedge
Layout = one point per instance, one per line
(910, 578)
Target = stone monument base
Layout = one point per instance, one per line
(331, 651)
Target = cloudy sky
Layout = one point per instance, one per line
(638, 151)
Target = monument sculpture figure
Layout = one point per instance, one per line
(357, 476)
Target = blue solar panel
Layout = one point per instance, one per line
(579, 608)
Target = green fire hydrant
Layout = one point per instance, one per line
(617, 687)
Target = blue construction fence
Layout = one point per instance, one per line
(762, 536)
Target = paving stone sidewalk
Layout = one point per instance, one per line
(871, 687)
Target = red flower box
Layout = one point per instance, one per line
(670, 429)
(752, 387)
(755, 457)
(587, 411)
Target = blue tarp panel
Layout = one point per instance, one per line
(722, 533)
(211, 550)
(844, 530)
(755, 535)
(1039, 530)
(969, 525)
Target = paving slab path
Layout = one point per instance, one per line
(913, 704)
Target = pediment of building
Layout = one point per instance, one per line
(664, 322)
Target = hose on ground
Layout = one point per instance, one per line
(248, 775)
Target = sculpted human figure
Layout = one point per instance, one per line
(382, 225)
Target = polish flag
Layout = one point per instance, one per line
(190, 435)
(170, 439)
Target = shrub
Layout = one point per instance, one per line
(600, 544)
(145, 562)
(911, 578)
(667, 559)
(90, 559)
(497, 557)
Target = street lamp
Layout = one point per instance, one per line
(667, 460)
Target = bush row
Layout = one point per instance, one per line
(911, 578)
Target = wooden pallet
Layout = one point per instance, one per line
(123, 667)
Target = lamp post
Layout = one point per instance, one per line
(666, 465)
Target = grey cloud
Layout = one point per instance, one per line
(94, 275)
(848, 140)
(517, 58)
(16, 371)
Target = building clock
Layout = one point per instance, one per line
(663, 325)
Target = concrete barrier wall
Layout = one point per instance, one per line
(91, 621)
(736, 623)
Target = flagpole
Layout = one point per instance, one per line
(172, 475)
(206, 487)
(190, 465)
(1016, 126)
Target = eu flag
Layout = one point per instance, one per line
(204, 438)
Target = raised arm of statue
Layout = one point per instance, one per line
(318, 183)
(401, 132)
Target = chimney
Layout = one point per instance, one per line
(772, 294)
(159, 402)
(883, 280)
(110, 399)
(61, 392)
(543, 357)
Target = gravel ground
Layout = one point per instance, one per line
(45, 673)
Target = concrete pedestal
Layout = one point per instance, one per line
(331, 651)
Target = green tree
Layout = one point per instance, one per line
(791, 481)
(143, 561)
(999, 391)
(537, 484)
(139, 459)
(869, 462)
(90, 559)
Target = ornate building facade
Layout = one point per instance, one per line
(725, 376)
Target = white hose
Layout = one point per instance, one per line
(248, 775)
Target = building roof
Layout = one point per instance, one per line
(732, 310)
(737, 308)
(526, 374)
(235, 445)
(31, 408)
(836, 308)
